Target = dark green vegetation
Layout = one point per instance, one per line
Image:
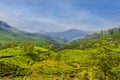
(8, 33)
(95, 57)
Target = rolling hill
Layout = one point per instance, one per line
(95, 57)
(67, 64)
(8, 33)
(89, 41)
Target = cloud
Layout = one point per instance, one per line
(56, 15)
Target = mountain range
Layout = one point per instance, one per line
(68, 35)
(79, 59)
(9, 33)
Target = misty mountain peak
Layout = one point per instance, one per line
(4, 24)
(68, 34)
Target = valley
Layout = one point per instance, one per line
(59, 39)
(28, 56)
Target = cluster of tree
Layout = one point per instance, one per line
(50, 47)
(91, 44)
(104, 32)
(107, 63)
(114, 30)
(27, 47)
(5, 45)
(7, 69)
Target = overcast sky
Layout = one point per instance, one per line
(60, 15)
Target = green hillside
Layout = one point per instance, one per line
(13, 34)
(95, 57)
(111, 35)
(98, 60)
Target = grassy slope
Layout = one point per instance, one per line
(20, 59)
(72, 61)
(79, 60)
(19, 36)
(91, 40)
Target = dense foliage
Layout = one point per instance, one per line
(96, 57)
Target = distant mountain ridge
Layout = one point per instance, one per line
(68, 35)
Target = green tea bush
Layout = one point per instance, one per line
(48, 70)
(7, 69)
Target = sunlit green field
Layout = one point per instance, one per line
(44, 64)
